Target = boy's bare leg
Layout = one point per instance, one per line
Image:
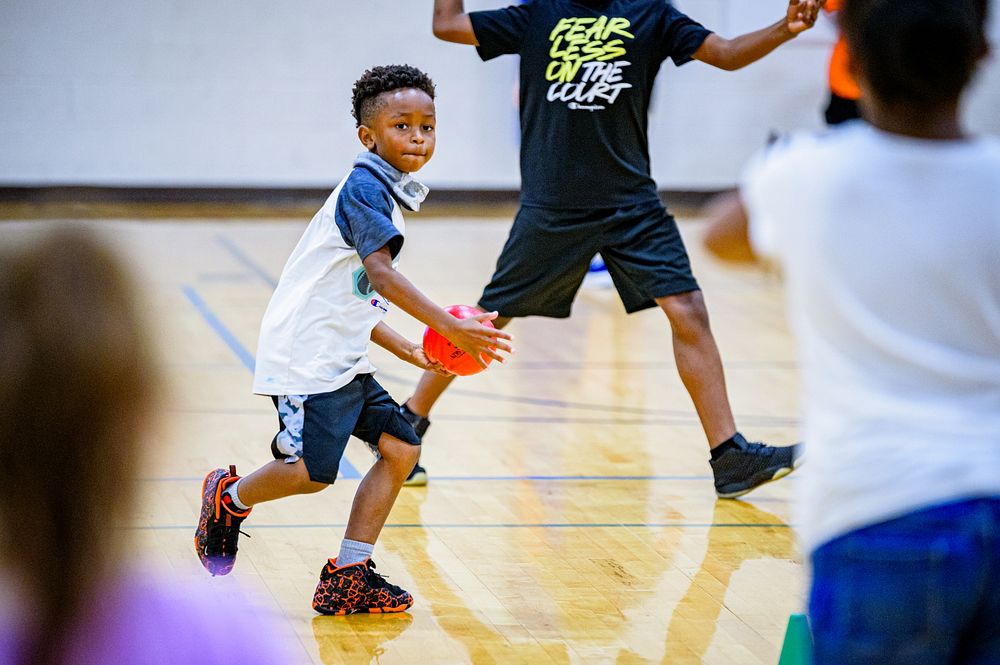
(276, 480)
(222, 513)
(378, 489)
(432, 385)
(699, 364)
(348, 583)
(695, 352)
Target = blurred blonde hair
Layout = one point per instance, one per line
(77, 381)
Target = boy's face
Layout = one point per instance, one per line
(402, 131)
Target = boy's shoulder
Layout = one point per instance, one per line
(362, 184)
(365, 210)
(360, 198)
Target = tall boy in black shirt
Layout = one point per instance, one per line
(587, 73)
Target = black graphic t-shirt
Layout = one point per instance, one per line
(587, 73)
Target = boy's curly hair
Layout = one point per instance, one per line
(378, 80)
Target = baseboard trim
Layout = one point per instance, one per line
(87, 202)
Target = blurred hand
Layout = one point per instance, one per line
(802, 14)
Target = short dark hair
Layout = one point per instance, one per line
(378, 80)
(916, 52)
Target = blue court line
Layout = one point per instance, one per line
(647, 365)
(182, 479)
(220, 329)
(539, 525)
(247, 262)
(347, 469)
(490, 418)
(568, 478)
(763, 421)
(617, 421)
(222, 277)
(569, 420)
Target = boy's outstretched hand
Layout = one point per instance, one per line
(470, 334)
(802, 14)
(477, 340)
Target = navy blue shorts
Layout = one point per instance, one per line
(316, 428)
(549, 250)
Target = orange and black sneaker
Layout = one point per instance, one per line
(218, 530)
(357, 588)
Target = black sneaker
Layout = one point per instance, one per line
(357, 588)
(419, 423)
(750, 465)
(418, 476)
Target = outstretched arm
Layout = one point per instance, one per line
(731, 54)
(467, 334)
(452, 24)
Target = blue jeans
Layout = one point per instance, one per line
(920, 589)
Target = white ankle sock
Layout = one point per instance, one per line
(352, 551)
(233, 493)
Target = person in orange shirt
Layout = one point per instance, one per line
(844, 90)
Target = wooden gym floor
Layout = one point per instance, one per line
(570, 516)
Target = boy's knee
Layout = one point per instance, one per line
(305, 484)
(687, 312)
(409, 454)
(395, 451)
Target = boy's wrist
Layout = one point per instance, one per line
(450, 328)
(409, 350)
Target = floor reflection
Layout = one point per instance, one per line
(695, 618)
(482, 641)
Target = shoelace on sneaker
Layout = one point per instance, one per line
(222, 540)
(378, 581)
(757, 448)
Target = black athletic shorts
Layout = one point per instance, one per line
(549, 250)
(316, 428)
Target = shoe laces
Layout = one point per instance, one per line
(222, 539)
(378, 581)
(758, 448)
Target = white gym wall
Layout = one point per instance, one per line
(257, 93)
